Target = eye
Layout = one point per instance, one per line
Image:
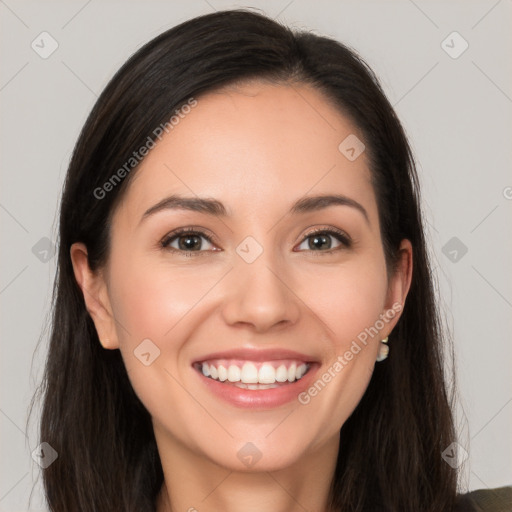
(188, 241)
(321, 239)
(185, 240)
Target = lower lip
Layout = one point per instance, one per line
(260, 398)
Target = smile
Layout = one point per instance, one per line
(253, 375)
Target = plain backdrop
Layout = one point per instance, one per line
(455, 105)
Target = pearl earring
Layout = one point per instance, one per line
(383, 350)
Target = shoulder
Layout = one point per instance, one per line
(486, 500)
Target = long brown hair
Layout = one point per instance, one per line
(390, 447)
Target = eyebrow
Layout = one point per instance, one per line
(217, 209)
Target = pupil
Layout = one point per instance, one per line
(321, 239)
(189, 246)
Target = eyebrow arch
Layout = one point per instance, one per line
(217, 209)
(314, 203)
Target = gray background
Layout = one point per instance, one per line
(457, 112)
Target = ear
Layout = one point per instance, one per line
(97, 302)
(399, 284)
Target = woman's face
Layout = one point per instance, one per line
(257, 293)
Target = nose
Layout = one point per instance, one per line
(258, 294)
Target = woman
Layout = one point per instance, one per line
(208, 352)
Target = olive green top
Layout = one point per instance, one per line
(486, 500)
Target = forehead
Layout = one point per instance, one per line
(254, 145)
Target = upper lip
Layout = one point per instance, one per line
(257, 355)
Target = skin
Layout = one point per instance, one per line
(257, 148)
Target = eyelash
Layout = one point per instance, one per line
(342, 237)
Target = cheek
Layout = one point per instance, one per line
(150, 298)
(349, 299)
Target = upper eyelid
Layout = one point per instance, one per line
(335, 233)
(185, 231)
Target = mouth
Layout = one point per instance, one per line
(254, 382)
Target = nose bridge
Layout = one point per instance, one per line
(258, 293)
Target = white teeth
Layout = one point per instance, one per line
(301, 370)
(249, 374)
(234, 373)
(223, 373)
(266, 374)
(282, 374)
(291, 372)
